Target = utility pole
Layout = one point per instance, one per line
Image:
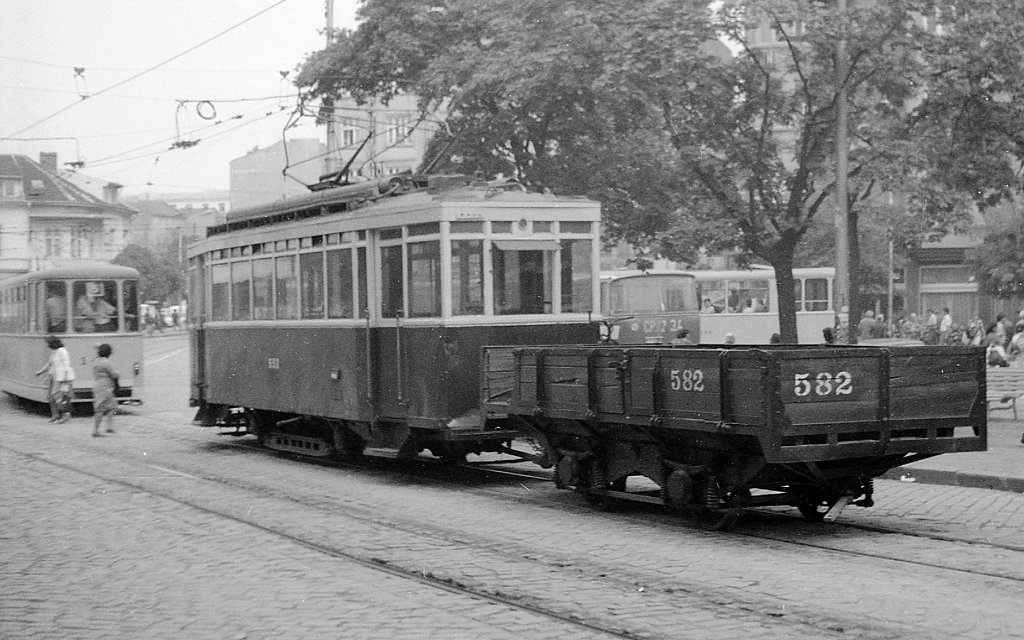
(331, 159)
(841, 284)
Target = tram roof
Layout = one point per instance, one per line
(77, 270)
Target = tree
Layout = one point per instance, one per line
(688, 149)
(161, 277)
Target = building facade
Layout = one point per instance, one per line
(46, 219)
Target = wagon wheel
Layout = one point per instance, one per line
(813, 507)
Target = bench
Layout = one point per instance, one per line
(1004, 385)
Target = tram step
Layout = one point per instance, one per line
(297, 444)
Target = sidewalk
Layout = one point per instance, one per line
(1001, 467)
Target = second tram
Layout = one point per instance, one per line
(83, 303)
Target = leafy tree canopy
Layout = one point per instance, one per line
(161, 277)
(689, 149)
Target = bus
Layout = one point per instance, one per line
(744, 303)
(82, 303)
(648, 307)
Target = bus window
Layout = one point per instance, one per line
(56, 307)
(263, 289)
(521, 282)
(95, 306)
(576, 276)
(130, 304)
(391, 281)
(467, 277)
(424, 279)
(339, 284)
(816, 294)
(748, 296)
(286, 293)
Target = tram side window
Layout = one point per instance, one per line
(220, 287)
(286, 293)
(521, 282)
(467, 277)
(263, 289)
(424, 279)
(816, 294)
(576, 276)
(95, 309)
(391, 281)
(241, 279)
(339, 284)
(130, 304)
(56, 305)
(311, 279)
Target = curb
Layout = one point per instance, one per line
(956, 479)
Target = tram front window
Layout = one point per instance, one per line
(95, 309)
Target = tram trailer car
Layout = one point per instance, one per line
(84, 303)
(719, 429)
(351, 320)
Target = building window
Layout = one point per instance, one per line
(398, 131)
(11, 188)
(80, 242)
(52, 239)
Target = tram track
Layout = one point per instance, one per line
(438, 476)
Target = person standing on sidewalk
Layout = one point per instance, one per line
(104, 389)
(59, 375)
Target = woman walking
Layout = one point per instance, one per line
(104, 388)
(60, 375)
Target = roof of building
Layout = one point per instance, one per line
(44, 186)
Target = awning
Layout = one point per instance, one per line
(527, 245)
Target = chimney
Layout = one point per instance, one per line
(111, 192)
(48, 160)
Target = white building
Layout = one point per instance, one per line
(46, 219)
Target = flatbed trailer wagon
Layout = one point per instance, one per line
(720, 429)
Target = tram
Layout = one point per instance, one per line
(352, 319)
(83, 303)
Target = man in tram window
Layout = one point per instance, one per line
(56, 308)
(92, 312)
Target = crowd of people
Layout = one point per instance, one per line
(1003, 337)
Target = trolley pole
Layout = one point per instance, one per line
(841, 286)
(331, 159)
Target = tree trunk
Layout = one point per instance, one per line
(784, 294)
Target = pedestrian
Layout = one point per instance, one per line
(829, 334)
(730, 338)
(104, 389)
(59, 376)
(995, 355)
(866, 326)
(945, 326)
(775, 339)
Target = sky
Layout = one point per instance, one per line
(155, 84)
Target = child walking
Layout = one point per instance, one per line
(104, 387)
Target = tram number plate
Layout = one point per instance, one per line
(686, 380)
(822, 384)
(273, 363)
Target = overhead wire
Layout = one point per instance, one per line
(145, 71)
